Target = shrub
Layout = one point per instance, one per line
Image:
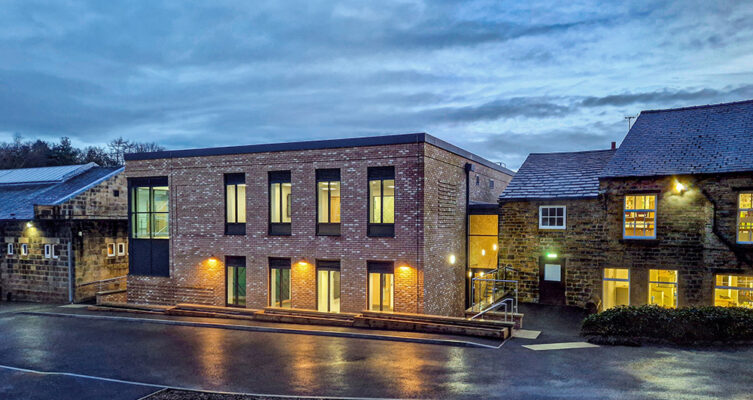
(690, 325)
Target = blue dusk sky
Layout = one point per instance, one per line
(499, 78)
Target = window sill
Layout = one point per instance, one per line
(639, 241)
(552, 229)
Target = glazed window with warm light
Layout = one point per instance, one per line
(381, 286)
(733, 291)
(328, 286)
(482, 241)
(640, 216)
(616, 288)
(745, 218)
(328, 201)
(662, 287)
(235, 204)
(150, 212)
(381, 201)
(280, 202)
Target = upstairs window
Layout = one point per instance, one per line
(24, 249)
(10, 249)
(49, 251)
(745, 218)
(552, 217)
(149, 210)
(280, 200)
(235, 204)
(381, 201)
(640, 216)
(328, 202)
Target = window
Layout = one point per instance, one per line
(381, 286)
(662, 287)
(552, 217)
(24, 249)
(121, 249)
(47, 251)
(110, 249)
(745, 218)
(640, 216)
(328, 286)
(279, 282)
(381, 201)
(149, 210)
(10, 249)
(733, 291)
(328, 202)
(478, 180)
(235, 204)
(616, 288)
(235, 273)
(279, 202)
(482, 241)
(491, 183)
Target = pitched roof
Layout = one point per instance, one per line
(558, 175)
(692, 140)
(22, 189)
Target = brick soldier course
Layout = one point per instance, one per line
(429, 208)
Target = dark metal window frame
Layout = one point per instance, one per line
(326, 265)
(151, 183)
(157, 248)
(382, 268)
(234, 228)
(329, 176)
(280, 264)
(279, 228)
(380, 229)
(235, 262)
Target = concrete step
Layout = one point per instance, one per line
(309, 313)
(301, 319)
(430, 327)
(438, 319)
(215, 309)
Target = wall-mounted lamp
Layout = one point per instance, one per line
(494, 246)
(29, 225)
(483, 252)
(680, 187)
(212, 261)
(452, 259)
(551, 255)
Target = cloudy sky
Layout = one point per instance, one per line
(500, 78)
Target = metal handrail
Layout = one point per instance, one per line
(497, 303)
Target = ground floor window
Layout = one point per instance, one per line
(381, 286)
(235, 273)
(616, 291)
(279, 282)
(662, 287)
(733, 291)
(328, 286)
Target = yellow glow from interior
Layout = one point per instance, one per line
(494, 247)
(452, 259)
(483, 252)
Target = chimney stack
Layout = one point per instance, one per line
(614, 145)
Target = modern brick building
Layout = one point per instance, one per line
(665, 219)
(63, 232)
(345, 225)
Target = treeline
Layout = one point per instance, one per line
(39, 153)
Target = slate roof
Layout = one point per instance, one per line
(47, 186)
(693, 140)
(558, 175)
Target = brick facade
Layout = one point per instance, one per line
(425, 282)
(696, 235)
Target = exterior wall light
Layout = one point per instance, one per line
(28, 225)
(551, 255)
(680, 187)
(452, 259)
(212, 261)
(483, 252)
(494, 247)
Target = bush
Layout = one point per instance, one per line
(690, 325)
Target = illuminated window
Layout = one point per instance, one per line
(279, 283)
(110, 249)
(328, 286)
(235, 204)
(552, 217)
(328, 201)
(662, 287)
(235, 274)
(280, 199)
(733, 291)
(149, 211)
(745, 218)
(482, 241)
(616, 288)
(381, 286)
(640, 216)
(381, 201)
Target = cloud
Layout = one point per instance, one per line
(670, 97)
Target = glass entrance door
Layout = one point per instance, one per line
(381, 291)
(328, 290)
(279, 287)
(235, 281)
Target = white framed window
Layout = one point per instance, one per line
(121, 249)
(552, 217)
(745, 218)
(110, 249)
(639, 218)
(11, 249)
(48, 251)
(24, 249)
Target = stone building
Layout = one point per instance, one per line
(669, 220)
(374, 223)
(63, 232)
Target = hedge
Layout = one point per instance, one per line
(633, 325)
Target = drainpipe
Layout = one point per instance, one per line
(70, 270)
(468, 169)
(739, 255)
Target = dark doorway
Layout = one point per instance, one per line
(552, 281)
(235, 276)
